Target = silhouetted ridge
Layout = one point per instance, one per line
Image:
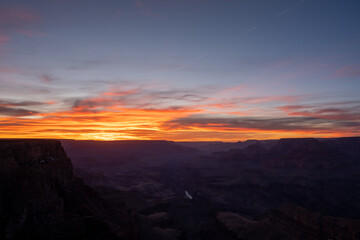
(118, 152)
(290, 145)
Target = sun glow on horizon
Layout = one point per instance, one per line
(106, 119)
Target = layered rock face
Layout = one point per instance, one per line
(288, 222)
(41, 199)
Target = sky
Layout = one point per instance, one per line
(182, 70)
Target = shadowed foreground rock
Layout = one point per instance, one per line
(41, 199)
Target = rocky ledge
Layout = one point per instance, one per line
(41, 199)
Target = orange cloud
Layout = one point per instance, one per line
(173, 115)
(147, 124)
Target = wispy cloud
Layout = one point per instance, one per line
(20, 108)
(348, 71)
(9, 103)
(17, 19)
(331, 113)
(145, 112)
(144, 9)
(16, 112)
(257, 123)
(47, 78)
(138, 98)
(4, 39)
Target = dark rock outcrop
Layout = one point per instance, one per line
(41, 199)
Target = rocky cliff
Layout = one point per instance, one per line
(41, 199)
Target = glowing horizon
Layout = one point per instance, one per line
(106, 117)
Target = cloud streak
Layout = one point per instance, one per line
(331, 113)
(19, 20)
(349, 71)
(16, 112)
(256, 123)
(174, 114)
(145, 10)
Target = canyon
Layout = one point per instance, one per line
(258, 189)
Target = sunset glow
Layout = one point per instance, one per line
(135, 70)
(107, 118)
